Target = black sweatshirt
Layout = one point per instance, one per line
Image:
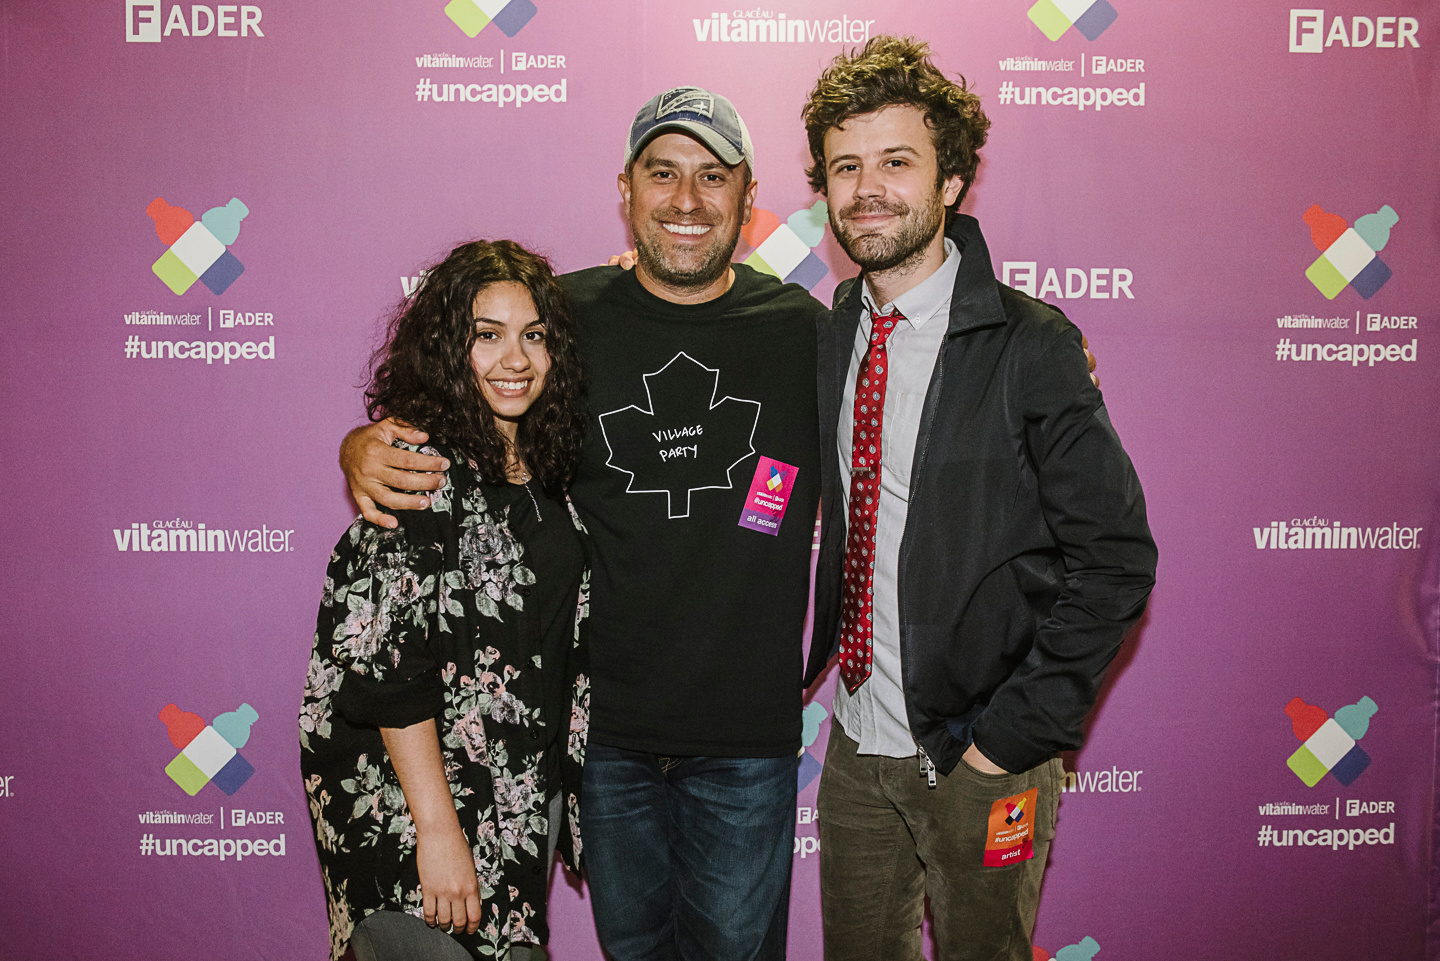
(696, 620)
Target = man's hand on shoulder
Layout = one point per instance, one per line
(1089, 359)
(378, 472)
(624, 261)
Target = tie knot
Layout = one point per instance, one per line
(882, 326)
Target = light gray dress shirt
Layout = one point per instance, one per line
(874, 715)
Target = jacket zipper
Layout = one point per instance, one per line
(927, 766)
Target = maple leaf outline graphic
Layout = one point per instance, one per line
(684, 394)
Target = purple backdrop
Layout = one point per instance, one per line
(1154, 169)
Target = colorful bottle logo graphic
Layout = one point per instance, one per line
(784, 249)
(197, 247)
(472, 16)
(1083, 950)
(209, 753)
(1089, 17)
(1329, 743)
(1349, 255)
(1015, 813)
(810, 720)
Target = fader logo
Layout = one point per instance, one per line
(198, 248)
(209, 753)
(1328, 743)
(1090, 17)
(143, 21)
(472, 16)
(784, 250)
(1349, 255)
(1308, 33)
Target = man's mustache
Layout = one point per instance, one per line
(862, 208)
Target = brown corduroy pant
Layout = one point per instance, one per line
(888, 841)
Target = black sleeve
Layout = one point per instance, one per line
(1093, 505)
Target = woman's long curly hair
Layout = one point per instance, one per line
(423, 374)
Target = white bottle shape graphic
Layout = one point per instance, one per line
(224, 222)
(234, 726)
(1374, 228)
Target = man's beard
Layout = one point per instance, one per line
(658, 263)
(876, 252)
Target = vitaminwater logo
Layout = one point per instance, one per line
(209, 753)
(1320, 533)
(1349, 255)
(198, 248)
(1083, 950)
(763, 26)
(1328, 743)
(472, 16)
(785, 250)
(1089, 17)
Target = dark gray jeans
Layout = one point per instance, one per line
(887, 841)
(395, 936)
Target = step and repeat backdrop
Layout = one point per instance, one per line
(209, 209)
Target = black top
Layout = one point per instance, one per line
(556, 557)
(697, 619)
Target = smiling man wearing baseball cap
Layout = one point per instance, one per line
(699, 488)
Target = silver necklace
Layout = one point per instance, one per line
(525, 483)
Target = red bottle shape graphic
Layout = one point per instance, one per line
(170, 222)
(1325, 227)
(182, 725)
(1305, 719)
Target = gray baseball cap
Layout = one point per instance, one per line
(708, 117)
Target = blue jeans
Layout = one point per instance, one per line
(688, 858)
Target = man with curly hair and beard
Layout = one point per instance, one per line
(984, 541)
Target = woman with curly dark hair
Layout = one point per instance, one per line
(446, 708)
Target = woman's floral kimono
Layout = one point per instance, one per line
(436, 619)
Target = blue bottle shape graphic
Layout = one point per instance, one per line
(234, 727)
(224, 222)
(1085, 950)
(1354, 719)
(1374, 228)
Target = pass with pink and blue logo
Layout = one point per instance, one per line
(769, 495)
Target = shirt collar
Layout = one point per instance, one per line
(927, 299)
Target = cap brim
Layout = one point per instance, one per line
(716, 144)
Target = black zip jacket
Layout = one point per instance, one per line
(1026, 553)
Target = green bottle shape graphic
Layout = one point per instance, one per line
(1374, 228)
(234, 726)
(224, 222)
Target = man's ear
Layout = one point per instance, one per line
(749, 201)
(622, 181)
(951, 189)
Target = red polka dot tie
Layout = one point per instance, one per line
(856, 608)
